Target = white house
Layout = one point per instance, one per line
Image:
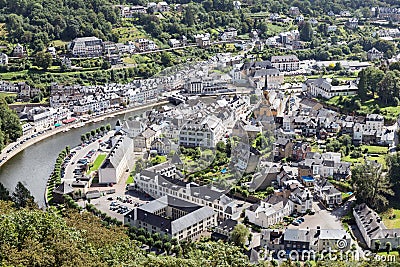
(86, 47)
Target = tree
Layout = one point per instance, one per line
(240, 235)
(83, 138)
(388, 247)
(108, 127)
(102, 128)
(22, 197)
(371, 185)
(167, 247)
(44, 59)
(4, 193)
(87, 134)
(306, 31)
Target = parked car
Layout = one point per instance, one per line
(296, 223)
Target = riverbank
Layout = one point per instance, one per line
(30, 142)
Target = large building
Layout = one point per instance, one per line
(322, 87)
(174, 217)
(285, 63)
(118, 162)
(202, 132)
(373, 230)
(164, 180)
(86, 47)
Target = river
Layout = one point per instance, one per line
(34, 165)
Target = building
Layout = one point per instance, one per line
(228, 34)
(3, 59)
(373, 230)
(203, 40)
(167, 181)
(174, 43)
(294, 11)
(327, 193)
(309, 240)
(374, 54)
(202, 132)
(173, 217)
(144, 45)
(19, 51)
(269, 211)
(322, 87)
(352, 23)
(388, 13)
(119, 161)
(223, 231)
(302, 199)
(86, 47)
(374, 122)
(285, 63)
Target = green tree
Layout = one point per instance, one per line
(22, 197)
(371, 185)
(306, 32)
(4, 193)
(43, 59)
(240, 235)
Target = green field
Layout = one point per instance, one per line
(391, 218)
(96, 164)
(375, 149)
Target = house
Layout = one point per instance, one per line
(144, 45)
(374, 122)
(311, 241)
(86, 47)
(331, 28)
(66, 62)
(327, 193)
(163, 7)
(223, 231)
(19, 51)
(202, 40)
(174, 43)
(374, 54)
(285, 63)
(237, 5)
(352, 23)
(302, 199)
(373, 230)
(294, 11)
(52, 51)
(3, 59)
(228, 34)
(172, 217)
(283, 148)
(269, 211)
(161, 145)
(261, 180)
(118, 161)
(322, 87)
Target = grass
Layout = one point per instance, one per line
(130, 179)
(96, 164)
(375, 149)
(391, 218)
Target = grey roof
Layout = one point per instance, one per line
(63, 189)
(297, 235)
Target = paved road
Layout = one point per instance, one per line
(80, 154)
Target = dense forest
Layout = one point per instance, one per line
(36, 22)
(10, 128)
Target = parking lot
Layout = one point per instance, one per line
(323, 218)
(121, 202)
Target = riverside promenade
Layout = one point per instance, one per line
(20, 147)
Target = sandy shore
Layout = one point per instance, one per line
(68, 127)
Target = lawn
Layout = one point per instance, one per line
(96, 164)
(130, 179)
(391, 218)
(375, 149)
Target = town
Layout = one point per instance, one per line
(280, 138)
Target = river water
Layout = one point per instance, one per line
(34, 165)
